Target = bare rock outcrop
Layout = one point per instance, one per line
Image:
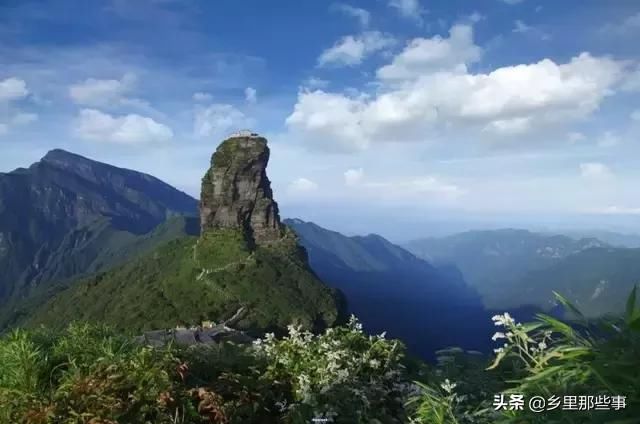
(236, 192)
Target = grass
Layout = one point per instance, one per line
(93, 374)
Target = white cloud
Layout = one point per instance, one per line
(302, 185)
(425, 55)
(427, 90)
(575, 137)
(635, 115)
(94, 125)
(313, 83)
(631, 82)
(101, 92)
(13, 89)
(218, 119)
(476, 17)
(353, 177)
(362, 15)
(202, 97)
(251, 95)
(409, 9)
(411, 189)
(512, 2)
(595, 171)
(629, 25)
(522, 28)
(352, 50)
(512, 126)
(608, 139)
(331, 119)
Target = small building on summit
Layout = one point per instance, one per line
(244, 134)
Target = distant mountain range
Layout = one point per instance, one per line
(513, 268)
(612, 238)
(80, 239)
(392, 290)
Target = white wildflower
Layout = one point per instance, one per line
(497, 336)
(448, 386)
(374, 363)
(342, 375)
(542, 346)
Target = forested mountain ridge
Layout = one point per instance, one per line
(64, 201)
(244, 261)
(493, 259)
(392, 290)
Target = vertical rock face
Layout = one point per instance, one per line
(236, 192)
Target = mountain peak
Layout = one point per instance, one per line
(236, 192)
(60, 155)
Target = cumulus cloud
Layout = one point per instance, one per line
(353, 49)
(13, 89)
(251, 95)
(331, 119)
(302, 185)
(95, 125)
(102, 92)
(427, 87)
(595, 171)
(426, 55)
(635, 115)
(218, 119)
(362, 15)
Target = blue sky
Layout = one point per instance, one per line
(402, 117)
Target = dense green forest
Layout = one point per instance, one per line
(91, 374)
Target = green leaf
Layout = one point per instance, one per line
(567, 304)
(547, 372)
(634, 322)
(556, 325)
(530, 326)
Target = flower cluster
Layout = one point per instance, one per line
(528, 343)
(343, 371)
